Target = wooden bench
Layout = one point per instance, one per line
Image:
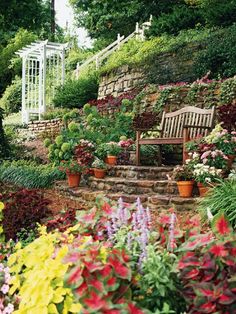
(178, 128)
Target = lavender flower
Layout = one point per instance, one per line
(171, 242)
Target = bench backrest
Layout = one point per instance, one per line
(172, 123)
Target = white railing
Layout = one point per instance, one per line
(139, 33)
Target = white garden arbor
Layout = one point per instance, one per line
(43, 69)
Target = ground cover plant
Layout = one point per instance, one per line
(29, 174)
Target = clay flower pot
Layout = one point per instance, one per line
(99, 173)
(203, 189)
(185, 188)
(73, 179)
(112, 160)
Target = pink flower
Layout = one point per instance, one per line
(205, 154)
(5, 288)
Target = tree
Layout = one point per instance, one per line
(104, 19)
(33, 15)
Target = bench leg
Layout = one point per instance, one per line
(185, 140)
(138, 134)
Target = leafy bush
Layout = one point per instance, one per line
(11, 99)
(76, 93)
(182, 17)
(23, 209)
(221, 197)
(207, 270)
(29, 174)
(42, 259)
(4, 146)
(217, 12)
(219, 56)
(159, 284)
(55, 113)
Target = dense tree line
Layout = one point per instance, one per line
(105, 18)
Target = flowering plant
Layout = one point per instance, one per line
(84, 153)
(71, 166)
(207, 269)
(182, 173)
(205, 174)
(113, 148)
(99, 164)
(100, 277)
(126, 143)
(6, 301)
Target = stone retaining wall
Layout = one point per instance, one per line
(165, 68)
(38, 127)
(120, 81)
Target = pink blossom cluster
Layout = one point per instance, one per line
(126, 143)
(212, 154)
(6, 307)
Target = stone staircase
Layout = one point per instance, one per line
(151, 184)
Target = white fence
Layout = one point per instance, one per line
(139, 33)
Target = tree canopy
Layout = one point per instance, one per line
(106, 18)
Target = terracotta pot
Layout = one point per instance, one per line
(99, 173)
(73, 179)
(185, 188)
(230, 161)
(112, 160)
(203, 189)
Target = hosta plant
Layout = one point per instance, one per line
(207, 270)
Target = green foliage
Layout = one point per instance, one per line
(159, 283)
(4, 145)
(11, 65)
(104, 19)
(221, 198)
(139, 53)
(76, 93)
(219, 56)
(182, 17)
(11, 99)
(29, 174)
(55, 113)
(217, 12)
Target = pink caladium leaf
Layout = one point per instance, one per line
(221, 225)
(228, 297)
(121, 270)
(218, 250)
(94, 302)
(133, 309)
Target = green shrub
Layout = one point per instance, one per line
(4, 145)
(29, 174)
(54, 113)
(221, 198)
(219, 56)
(182, 17)
(11, 99)
(218, 12)
(76, 93)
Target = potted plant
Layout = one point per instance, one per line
(73, 172)
(184, 177)
(99, 168)
(206, 176)
(113, 150)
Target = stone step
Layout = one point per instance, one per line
(153, 201)
(140, 172)
(132, 186)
